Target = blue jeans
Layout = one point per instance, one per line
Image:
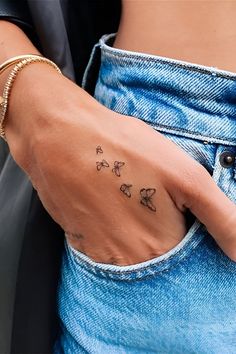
(185, 300)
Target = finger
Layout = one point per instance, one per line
(216, 211)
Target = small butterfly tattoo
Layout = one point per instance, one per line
(146, 197)
(99, 150)
(125, 188)
(117, 166)
(101, 164)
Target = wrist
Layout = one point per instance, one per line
(42, 102)
(27, 97)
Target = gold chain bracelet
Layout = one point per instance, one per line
(14, 60)
(10, 80)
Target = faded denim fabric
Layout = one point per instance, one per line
(183, 302)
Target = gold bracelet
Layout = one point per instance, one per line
(17, 59)
(10, 80)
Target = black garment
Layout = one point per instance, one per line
(30, 241)
(87, 21)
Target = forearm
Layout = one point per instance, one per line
(36, 83)
(13, 42)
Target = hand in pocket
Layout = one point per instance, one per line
(118, 188)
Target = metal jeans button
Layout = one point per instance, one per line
(227, 159)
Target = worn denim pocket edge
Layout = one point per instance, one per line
(146, 268)
(124, 54)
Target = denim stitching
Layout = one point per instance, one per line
(121, 276)
(142, 277)
(151, 269)
(163, 61)
(110, 51)
(155, 126)
(135, 270)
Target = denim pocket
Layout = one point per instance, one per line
(200, 150)
(144, 269)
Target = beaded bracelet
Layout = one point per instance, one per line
(10, 80)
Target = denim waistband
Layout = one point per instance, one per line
(205, 97)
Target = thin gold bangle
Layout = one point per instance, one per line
(4, 66)
(10, 80)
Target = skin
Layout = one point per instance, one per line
(198, 31)
(53, 136)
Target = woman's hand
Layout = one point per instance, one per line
(118, 188)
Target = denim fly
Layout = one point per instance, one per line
(183, 302)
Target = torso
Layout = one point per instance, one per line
(198, 31)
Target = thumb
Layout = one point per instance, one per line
(216, 211)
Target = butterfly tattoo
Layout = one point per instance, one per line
(101, 164)
(125, 188)
(99, 150)
(146, 197)
(116, 168)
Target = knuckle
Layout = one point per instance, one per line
(195, 181)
